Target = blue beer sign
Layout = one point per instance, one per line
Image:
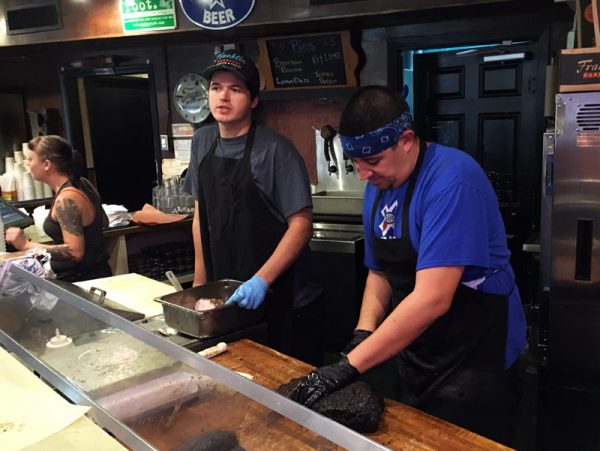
(217, 14)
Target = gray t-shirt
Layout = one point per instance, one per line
(277, 167)
(281, 177)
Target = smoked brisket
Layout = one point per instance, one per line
(356, 406)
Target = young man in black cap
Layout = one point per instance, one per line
(253, 215)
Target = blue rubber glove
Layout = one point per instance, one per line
(250, 294)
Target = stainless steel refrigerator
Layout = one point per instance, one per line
(570, 275)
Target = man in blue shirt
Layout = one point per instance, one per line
(440, 295)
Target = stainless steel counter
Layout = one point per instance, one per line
(336, 237)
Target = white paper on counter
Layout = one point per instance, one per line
(28, 416)
(132, 291)
(83, 433)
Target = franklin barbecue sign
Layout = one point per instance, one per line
(217, 14)
(580, 70)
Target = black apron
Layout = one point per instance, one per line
(94, 264)
(239, 234)
(455, 369)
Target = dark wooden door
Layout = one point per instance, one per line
(490, 110)
(121, 132)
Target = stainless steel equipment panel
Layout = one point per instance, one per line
(546, 209)
(342, 238)
(338, 202)
(574, 317)
(338, 251)
(339, 192)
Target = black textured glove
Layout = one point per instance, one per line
(322, 381)
(358, 336)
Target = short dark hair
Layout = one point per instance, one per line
(369, 108)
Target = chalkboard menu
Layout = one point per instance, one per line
(322, 60)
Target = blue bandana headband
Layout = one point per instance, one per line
(378, 140)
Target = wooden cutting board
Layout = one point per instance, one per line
(258, 428)
(132, 291)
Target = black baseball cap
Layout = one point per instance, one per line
(239, 64)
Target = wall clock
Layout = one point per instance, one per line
(191, 98)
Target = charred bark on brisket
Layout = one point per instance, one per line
(356, 406)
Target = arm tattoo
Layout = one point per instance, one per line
(69, 217)
(60, 252)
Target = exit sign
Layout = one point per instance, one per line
(145, 15)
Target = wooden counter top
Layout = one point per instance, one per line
(33, 233)
(402, 427)
(135, 228)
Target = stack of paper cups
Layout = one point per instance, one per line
(28, 189)
(9, 164)
(25, 149)
(48, 190)
(38, 188)
(18, 156)
(18, 173)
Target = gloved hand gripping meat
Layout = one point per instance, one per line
(321, 382)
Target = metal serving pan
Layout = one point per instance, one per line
(179, 311)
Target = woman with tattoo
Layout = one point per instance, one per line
(76, 216)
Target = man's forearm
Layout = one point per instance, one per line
(292, 243)
(375, 302)
(430, 299)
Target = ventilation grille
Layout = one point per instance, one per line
(33, 18)
(588, 117)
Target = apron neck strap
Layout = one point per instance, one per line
(249, 141)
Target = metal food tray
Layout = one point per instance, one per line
(179, 312)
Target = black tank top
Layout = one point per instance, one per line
(95, 257)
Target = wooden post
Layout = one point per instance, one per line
(586, 24)
(596, 18)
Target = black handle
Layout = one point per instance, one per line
(326, 151)
(328, 133)
(98, 292)
(329, 154)
(583, 250)
(348, 166)
(549, 174)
